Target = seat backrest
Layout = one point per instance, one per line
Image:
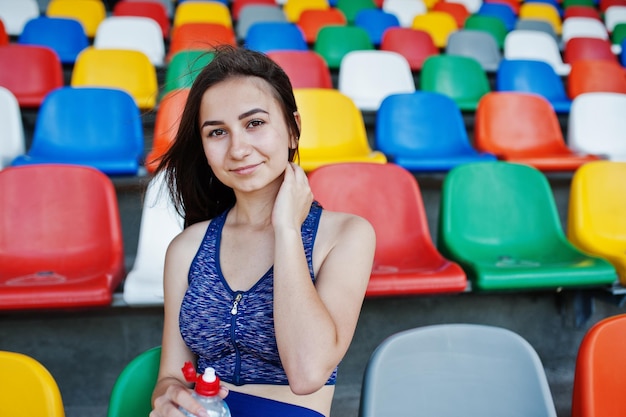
(577, 49)
(489, 24)
(84, 240)
(199, 36)
(613, 16)
(12, 141)
(367, 77)
(599, 375)
(457, 10)
(237, 6)
(306, 69)
(581, 10)
(405, 11)
(376, 22)
(35, 72)
(125, 69)
(334, 42)
(530, 76)
(422, 123)
(153, 9)
(184, 67)
(207, 12)
(275, 36)
(136, 33)
(534, 44)
(596, 75)
(538, 25)
(257, 13)
(497, 207)
(542, 11)
(583, 27)
(459, 77)
(350, 8)
(332, 125)
(88, 124)
(293, 8)
(596, 124)
(166, 124)
(516, 124)
(311, 20)
(131, 395)
(27, 388)
(439, 24)
(65, 36)
(455, 369)
(89, 14)
(373, 191)
(15, 15)
(414, 45)
(477, 44)
(502, 11)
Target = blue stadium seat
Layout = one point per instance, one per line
(65, 36)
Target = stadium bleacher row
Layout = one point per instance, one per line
(492, 98)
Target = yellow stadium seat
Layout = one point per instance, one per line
(202, 12)
(438, 24)
(88, 12)
(542, 11)
(293, 8)
(126, 69)
(597, 212)
(333, 129)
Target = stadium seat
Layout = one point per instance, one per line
(583, 27)
(596, 212)
(405, 10)
(125, 69)
(159, 225)
(293, 8)
(581, 11)
(455, 369)
(461, 78)
(617, 37)
(238, 5)
(472, 6)
(537, 45)
(275, 36)
(61, 239)
(30, 72)
(613, 16)
(599, 376)
(90, 14)
(593, 76)
(490, 24)
(578, 49)
(524, 128)
(155, 10)
(502, 11)
(166, 123)
(334, 42)
(202, 11)
(136, 33)
(131, 395)
(456, 10)
(306, 69)
(540, 10)
(350, 8)
(499, 221)
(12, 140)
(367, 77)
(184, 67)
(532, 76)
(477, 44)
(438, 24)
(257, 13)
(376, 22)
(98, 127)
(199, 36)
(312, 20)
(15, 14)
(4, 36)
(406, 261)
(596, 125)
(28, 388)
(540, 26)
(414, 45)
(333, 130)
(424, 132)
(65, 36)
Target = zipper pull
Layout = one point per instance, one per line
(233, 310)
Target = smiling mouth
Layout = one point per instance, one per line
(245, 170)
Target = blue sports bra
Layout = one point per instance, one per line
(233, 331)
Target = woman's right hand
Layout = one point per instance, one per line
(167, 405)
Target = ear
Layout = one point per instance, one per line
(293, 141)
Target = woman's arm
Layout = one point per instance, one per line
(315, 323)
(171, 389)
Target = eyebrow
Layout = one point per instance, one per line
(241, 117)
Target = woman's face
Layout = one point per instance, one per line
(244, 135)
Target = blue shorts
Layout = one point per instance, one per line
(246, 405)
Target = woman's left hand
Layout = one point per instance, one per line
(294, 198)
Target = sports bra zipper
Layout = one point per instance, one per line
(233, 321)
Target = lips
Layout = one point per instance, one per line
(244, 170)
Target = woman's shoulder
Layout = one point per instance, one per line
(346, 227)
(190, 238)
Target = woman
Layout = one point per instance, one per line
(263, 285)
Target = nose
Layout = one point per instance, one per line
(239, 145)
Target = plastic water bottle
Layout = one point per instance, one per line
(206, 391)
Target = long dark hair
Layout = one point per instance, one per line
(196, 192)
